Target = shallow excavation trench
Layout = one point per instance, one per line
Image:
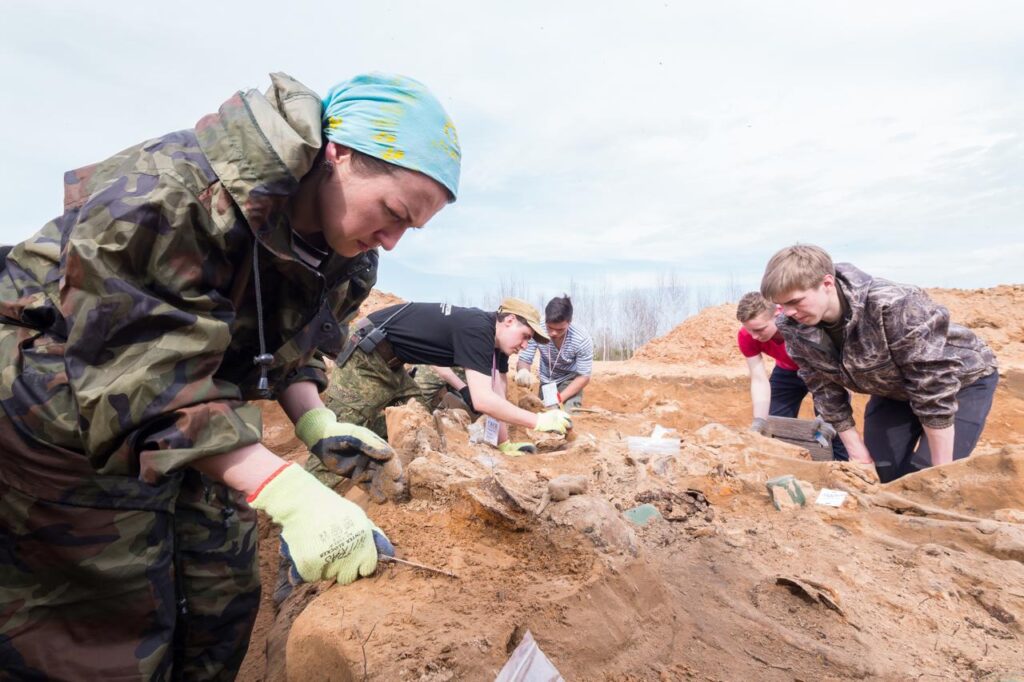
(920, 579)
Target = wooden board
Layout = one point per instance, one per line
(799, 432)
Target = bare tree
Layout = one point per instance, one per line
(705, 297)
(734, 289)
(618, 320)
(512, 286)
(640, 317)
(673, 300)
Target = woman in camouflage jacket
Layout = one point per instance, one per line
(187, 277)
(931, 381)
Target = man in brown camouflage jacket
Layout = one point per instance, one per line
(189, 276)
(849, 331)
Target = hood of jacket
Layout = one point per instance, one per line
(260, 145)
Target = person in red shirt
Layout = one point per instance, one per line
(780, 394)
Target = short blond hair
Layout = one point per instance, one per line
(801, 266)
(752, 305)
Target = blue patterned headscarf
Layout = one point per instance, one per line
(396, 119)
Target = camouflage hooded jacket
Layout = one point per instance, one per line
(132, 320)
(898, 344)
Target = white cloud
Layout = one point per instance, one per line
(658, 134)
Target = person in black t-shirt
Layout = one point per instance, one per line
(371, 373)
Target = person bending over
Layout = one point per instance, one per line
(371, 372)
(931, 381)
(188, 277)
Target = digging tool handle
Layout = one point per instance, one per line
(385, 557)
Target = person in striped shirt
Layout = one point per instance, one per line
(567, 361)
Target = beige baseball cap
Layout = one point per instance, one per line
(521, 308)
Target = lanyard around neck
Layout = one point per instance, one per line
(551, 365)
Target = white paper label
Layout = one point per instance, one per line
(491, 431)
(549, 394)
(830, 497)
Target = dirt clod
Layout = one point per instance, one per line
(561, 487)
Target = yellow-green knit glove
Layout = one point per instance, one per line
(554, 420)
(345, 449)
(325, 536)
(517, 449)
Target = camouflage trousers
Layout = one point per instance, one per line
(107, 577)
(361, 389)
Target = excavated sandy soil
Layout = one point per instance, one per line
(919, 579)
(709, 339)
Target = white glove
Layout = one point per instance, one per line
(524, 378)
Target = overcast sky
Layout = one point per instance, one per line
(600, 140)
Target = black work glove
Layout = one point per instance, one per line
(350, 451)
